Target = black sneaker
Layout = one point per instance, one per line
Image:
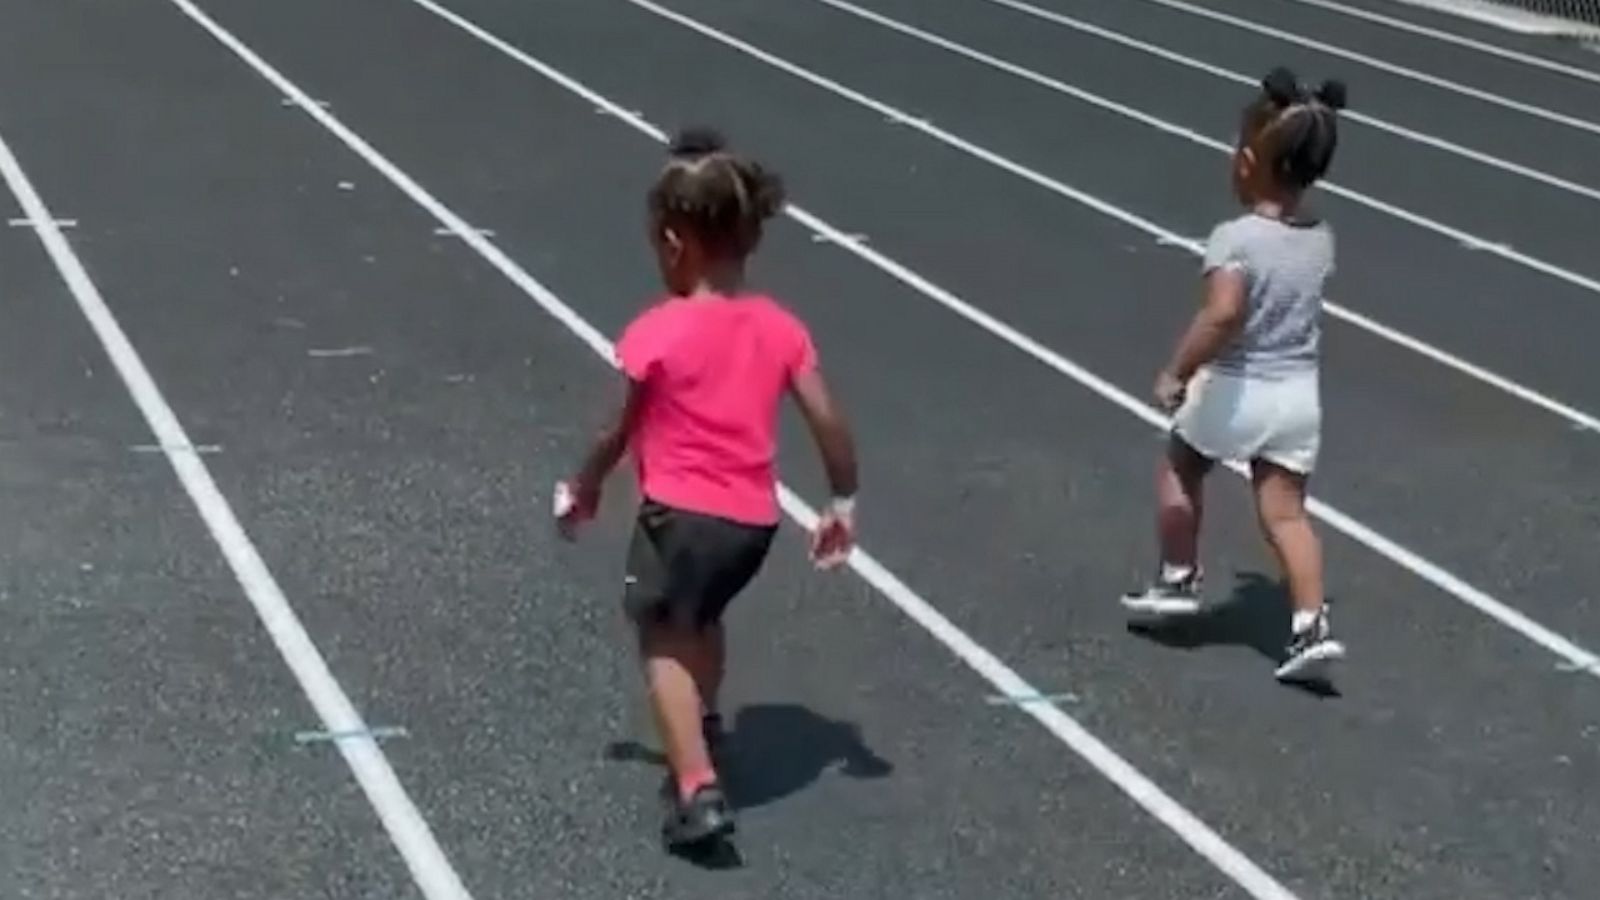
(1166, 598)
(1311, 652)
(703, 817)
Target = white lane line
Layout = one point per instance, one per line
(377, 733)
(1190, 62)
(406, 827)
(1504, 102)
(338, 352)
(1407, 559)
(1459, 40)
(1164, 236)
(1001, 677)
(1049, 699)
(30, 223)
(175, 448)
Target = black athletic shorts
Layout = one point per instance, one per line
(684, 567)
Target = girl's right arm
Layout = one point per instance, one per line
(1219, 321)
(835, 534)
(577, 500)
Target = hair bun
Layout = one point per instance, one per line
(767, 191)
(1332, 94)
(692, 142)
(1282, 86)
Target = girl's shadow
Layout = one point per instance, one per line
(769, 752)
(1255, 616)
(774, 750)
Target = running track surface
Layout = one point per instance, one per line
(385, 411)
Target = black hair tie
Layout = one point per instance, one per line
(1332, 94)
(696, 142)
(1282, 87)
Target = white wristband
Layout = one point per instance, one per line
(843, 506)
(563, 501)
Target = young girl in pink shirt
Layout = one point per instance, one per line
(706, 369)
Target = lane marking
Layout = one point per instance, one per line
(1048, 699)
(339, 352)
(1001, 677)
(31, 223)
(1530, 109)
(170, 449)
(854, 237)
(1572, 414)
(1477, 245)
(1459, 40)
(406, 827)
(1407, 559)
(375, 733)
(1397, 130)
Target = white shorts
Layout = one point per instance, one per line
(1238, 418)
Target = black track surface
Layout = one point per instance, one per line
(396, 490)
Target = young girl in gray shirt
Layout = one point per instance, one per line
(1242, 384)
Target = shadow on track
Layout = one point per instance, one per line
(774, 750)
(770, 752)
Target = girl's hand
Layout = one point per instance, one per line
(835, 536)
(1169, 391)
(573, 505)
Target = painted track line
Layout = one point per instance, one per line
(1190, 62)
(1572, 655)
(1290, 37)
(1164, 236)
(407, 829)
(1571, 414)
(1091, 749)
(1459, 40)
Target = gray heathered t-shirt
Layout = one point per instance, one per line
(1286, 267)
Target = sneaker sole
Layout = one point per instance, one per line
(1314, 664)
(723, 827)
(1164, 606)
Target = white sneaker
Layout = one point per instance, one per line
(1311, 653)
(1166, 598)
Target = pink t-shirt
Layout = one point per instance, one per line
(715, 370)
